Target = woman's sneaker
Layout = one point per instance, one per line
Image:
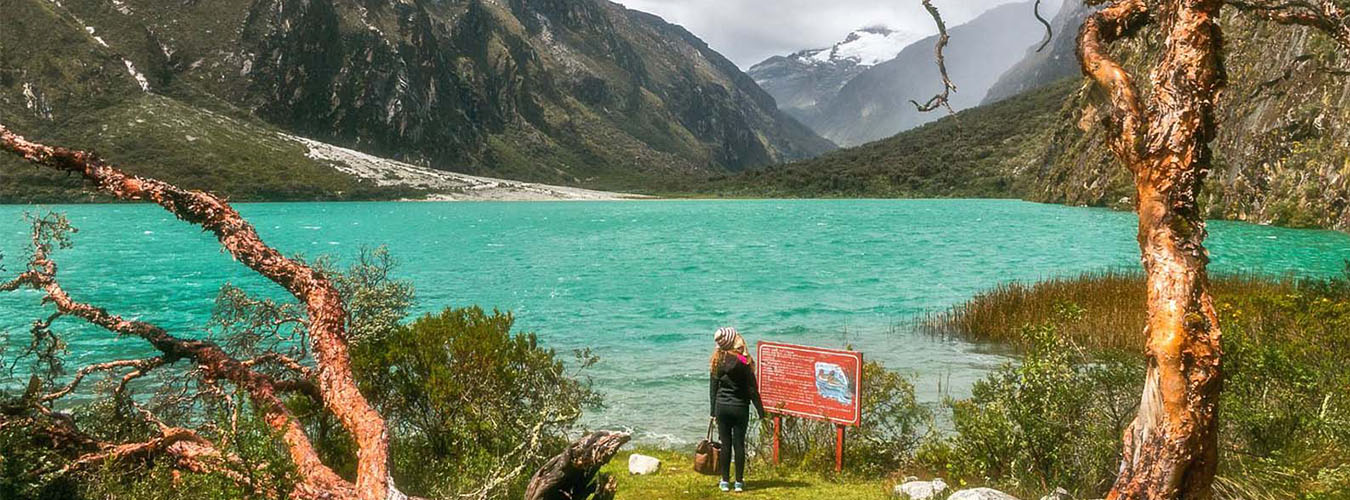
(740, 487)
(724, 486)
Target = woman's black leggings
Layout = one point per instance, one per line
(731, 424)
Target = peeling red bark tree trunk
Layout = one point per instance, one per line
(1170, 450)
(327, 318)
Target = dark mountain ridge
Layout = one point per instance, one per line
(581, 92)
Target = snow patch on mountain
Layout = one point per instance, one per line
(866, 47)
(140, 78)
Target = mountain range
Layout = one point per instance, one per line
(345, 99)
(574, 92)
(805, 82)
(853, 101)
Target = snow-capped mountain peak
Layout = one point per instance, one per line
(865, 47)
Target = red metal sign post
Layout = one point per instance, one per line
(811, 382)
(777, 437)
(839, 449)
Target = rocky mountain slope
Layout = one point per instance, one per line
(1043, 66)
(875, 104)
(1282, 155)
(805, 82)
(576, 92)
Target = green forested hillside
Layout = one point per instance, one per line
(974, 153)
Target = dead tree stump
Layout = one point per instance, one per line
(572, 475)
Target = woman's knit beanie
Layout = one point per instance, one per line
(726, 337)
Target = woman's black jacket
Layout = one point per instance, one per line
(733, 384)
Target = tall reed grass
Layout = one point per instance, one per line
(1107, 308)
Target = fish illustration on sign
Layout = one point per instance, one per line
(833, 383)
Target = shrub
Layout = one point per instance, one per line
(1053, 419)
(468, 398)
(261, 459)
(892, 427)
(1284, 427)
(31, 459)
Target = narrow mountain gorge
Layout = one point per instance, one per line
(1282, 151)
(576, 92)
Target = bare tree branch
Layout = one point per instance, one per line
(136, 364)
(942, 98)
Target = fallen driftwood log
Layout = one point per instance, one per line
(572, 475)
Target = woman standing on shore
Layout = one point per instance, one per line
(731, 392)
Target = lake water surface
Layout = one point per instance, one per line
(645, 283)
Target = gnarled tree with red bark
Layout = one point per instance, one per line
(1162, 137)
(326, 326)
(1170, 450)
(319, 369)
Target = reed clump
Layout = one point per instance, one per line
(1098, 310)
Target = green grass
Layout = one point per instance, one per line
(678, 481)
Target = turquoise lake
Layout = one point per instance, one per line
(645, 283)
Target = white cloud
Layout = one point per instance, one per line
(749, 31)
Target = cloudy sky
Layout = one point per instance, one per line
(748, 31)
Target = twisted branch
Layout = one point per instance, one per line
(138, 365)
(238, 237)
(1049, 31)
(1125, 118)
(317, 479)
(941, 99)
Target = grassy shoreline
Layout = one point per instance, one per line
(1054, 417)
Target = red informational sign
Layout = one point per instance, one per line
(810, 382)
